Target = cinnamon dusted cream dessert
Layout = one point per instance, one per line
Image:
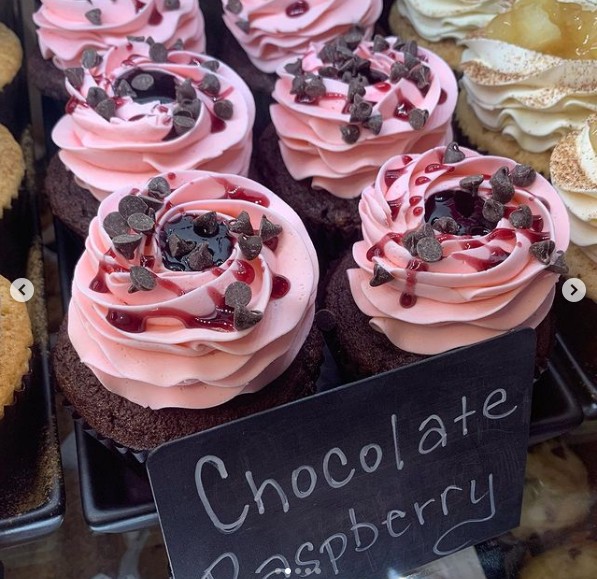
(457, 248)
(192, 305)
(529, 77)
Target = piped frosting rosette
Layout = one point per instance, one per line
(457, 248)
(192, 290)
(142, 110)
(66, 28)
(270, 31)
(347, 106)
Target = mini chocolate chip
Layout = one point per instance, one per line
(142, 82)
(542, 250)
(124, 89)
(150, 41)
(298, 85)
(417, 118)
(419, 74)
(558, 264)
(453, 154)
(398, 71)
(410, 61)
(234, 6)
(362, 65)
(429, 249)
(206, 224)
(346, 77)
(151, 202)
(132, 38)
(376, 76)
(158, 187)
(350, 134)
(179, 247)
(210, 85)
(171, 4)
(268, 230)
(424, 230)
(224, 109)
(398, 44)
(471, 183)
(237, 294)
(131, 204)
(75, 76)
(95, 95)
(295, 67)
(90, 58)
(360, 110)
(521, 218)
(178, 45)
(446, 224)
(493, 210)
(212, 65)
(410, 47)
(106, 109)
(349, 66)
(523, 175)
(325, 320)
(141, 223)
(141, 279)
(380, 44)
(314, 87)
(380, 276)
(242, 224)
(353, 37)
(126, 244)
(328, 72)
(94, 16)
(374, 123)
(200, 258)
(250, 245)
(182, 124)
(244, 318)
(356, 86)
(327, 53)
(409, 241)
(115, 224)
(190, 108)
(185, 91)
(502, 188)
(158, 52)
(243, 25)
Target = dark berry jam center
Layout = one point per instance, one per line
(464, 208)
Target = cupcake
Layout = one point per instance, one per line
(192, 305)
(457, 248)
(68, 29)
(341, 112)
(141, 110)
(11, 58)
(440, 26)
(528, 78)
(575, 560)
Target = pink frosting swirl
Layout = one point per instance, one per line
(66, 27)
(190, 117)
(312, 141)
(270, 31)
(180, 344)
(487, 282)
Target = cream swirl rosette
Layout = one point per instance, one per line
(457, 248)
(192, 290)
(68, 27)
(342, 111)
(142, 110)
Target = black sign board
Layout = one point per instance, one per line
(383, 474)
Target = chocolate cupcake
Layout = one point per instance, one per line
(192, 305)
(11, 58)
(457, 248)
(341, 111)
(141, 110)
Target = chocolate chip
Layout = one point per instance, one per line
(376, 76)
(374, 123)
(126, 244)
(242, 224)
(410, 61)
(190, 108)
(380, 44)
(542, 250)
(106, 109)
(224, 109)
(200, 258)
(243, 25)
(429, 249)
(152, 203)
(150, 41)
(298, 85)
(237, 294)
(523, 175)
(158, 187)
(380, 276)
(558, 264)
(95, 95)
(268, 230)
(206, 224)
(244, 318)
(94, 16)
(327, 53)
(212, 65)
(132, 38)
(210, 85)
(350, 134)
(171, 4)
(424, 230)
(234, 6)
(453, 154)
(471, 183)
(398, 45)
(353, 37)
(250, 245)
(521, 218)
(295, 67)
(356, 87)
(90, 58)
(420, 75)
(328, 72)
(410, 47)
(142, 82)
(185, 91)
(131, 204)
(349, 65)
(398, 71)
(141, 279)
(141, 223)
(409, 241)
(502, 188)
(75, 76)
(115, 224)
(124, 89)
(178, 45)
(417, 118)
(493, 210)
(360, 110)
(179, 247)
(158, 52)
(446, 224)
(315, 87)
(182, 124)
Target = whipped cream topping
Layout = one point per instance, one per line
(143, 110)
(66, 27)
(532, 97)
(271, 31)
(436, 269)
(200, 307)
(436, 20)
(341, 113)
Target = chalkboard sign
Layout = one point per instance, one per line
(364, 481)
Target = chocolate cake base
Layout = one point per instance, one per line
(138, 428)
(360, 351)
(48, 79)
